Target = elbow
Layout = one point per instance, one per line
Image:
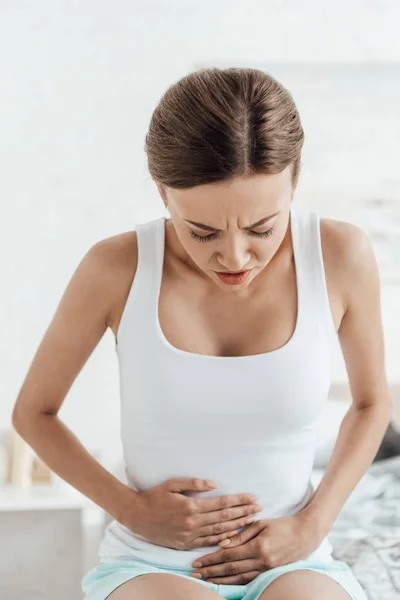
(17, 420)
(21, 421)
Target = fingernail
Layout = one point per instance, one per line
(250, 520)
(225, 542)
(196, 575)
(197, 563)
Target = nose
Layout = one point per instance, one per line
(235, 255)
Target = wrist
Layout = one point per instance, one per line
(313, 523)
(128, 507)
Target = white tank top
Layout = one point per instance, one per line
(246, 422)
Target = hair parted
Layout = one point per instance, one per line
(217, 124)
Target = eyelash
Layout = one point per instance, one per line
(207, 238)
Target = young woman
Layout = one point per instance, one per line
(224, 316)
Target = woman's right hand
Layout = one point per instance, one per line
(164, 515)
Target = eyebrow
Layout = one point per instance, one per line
(208, 228)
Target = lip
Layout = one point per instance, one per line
(233, 278)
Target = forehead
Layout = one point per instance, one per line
(251, 198)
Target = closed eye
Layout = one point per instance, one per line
(212, 236)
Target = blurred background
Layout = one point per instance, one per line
(79, 82)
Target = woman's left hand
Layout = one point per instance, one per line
(263, 545)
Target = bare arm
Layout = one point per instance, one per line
(362, 342)
(76, 328)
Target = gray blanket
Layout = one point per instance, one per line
(366, 534)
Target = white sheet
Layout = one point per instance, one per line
(366, 534)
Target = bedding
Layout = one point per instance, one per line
(366, 534)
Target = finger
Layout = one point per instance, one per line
(213, 528)
(207, 541)
(242, 537)
(232, 568)
(213, 503)
(224, 556)
(214, 520)
(241, 579)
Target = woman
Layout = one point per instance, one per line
(223, 375)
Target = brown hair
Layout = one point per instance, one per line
(216, 124)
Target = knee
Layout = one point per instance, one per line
(304, 585)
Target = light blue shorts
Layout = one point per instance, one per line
(105, 577)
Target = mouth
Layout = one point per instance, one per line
(233, 277)
(231, 272)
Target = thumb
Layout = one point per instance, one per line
(243, 536)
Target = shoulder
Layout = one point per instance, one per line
(112, 262)
(345, 241)
(115, 251)
(348, 256)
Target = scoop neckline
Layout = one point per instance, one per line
(246, 357)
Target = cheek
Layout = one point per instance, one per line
(198, 250)
(266, 251)
(200, 253)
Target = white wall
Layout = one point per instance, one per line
(79, 81)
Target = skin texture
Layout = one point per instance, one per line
(302, 585)
(264, 311)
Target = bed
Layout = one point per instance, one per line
(366, 534)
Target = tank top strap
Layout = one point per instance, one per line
(311, 269)
(144, 289)
(151, 240)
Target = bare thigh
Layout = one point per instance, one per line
(162, 586)
(304, 585)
